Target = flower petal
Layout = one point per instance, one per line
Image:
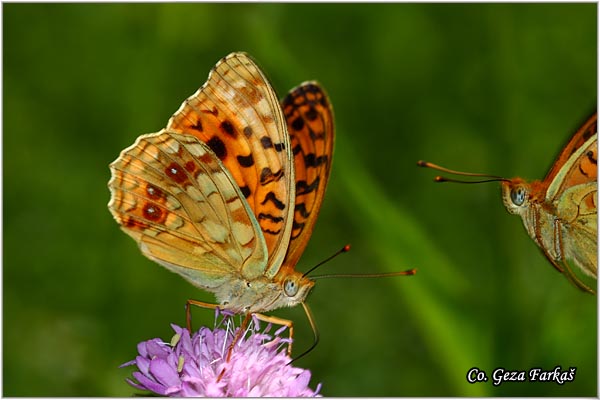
(149, 383)
(164, 373)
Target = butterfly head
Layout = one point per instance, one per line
(516, 195)
(288, 289)
(294, 287)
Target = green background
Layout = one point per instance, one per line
(482, 88)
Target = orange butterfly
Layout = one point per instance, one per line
(560, 212)
(228, 194)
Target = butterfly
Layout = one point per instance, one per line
(560, 212)
(227, 195)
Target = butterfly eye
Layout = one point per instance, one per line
(290, 288)
(518, 195)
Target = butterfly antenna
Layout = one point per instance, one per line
(374, 275)
(345, 249)
(313, 326)
(490, 178)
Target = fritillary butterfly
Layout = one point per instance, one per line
(228, 193)
(560, 213)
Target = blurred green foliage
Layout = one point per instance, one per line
(494, 88)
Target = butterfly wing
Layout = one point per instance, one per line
(309, 117)
(172, 195)
(574, 194)
(570, 169)
(237, 114)
(571, 202)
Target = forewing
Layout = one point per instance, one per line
(577, 162)
(309, 117)
(237, 114)
(172, 195)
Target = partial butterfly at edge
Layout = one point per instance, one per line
(560, 212)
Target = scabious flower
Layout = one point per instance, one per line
(197, 366)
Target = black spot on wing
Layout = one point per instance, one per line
(271, 232)
(272, 198)
(266, 175)
(246, 161)
(198, 126)
(310, 160)
(298, 124)
(592, 129)
(590, 156)
(218, 147)
(297, 149)
(269, 217)
(245, 191)
(312, 88)
(228, 128)
(297, 226)
(279, 147)
(301, 208)
(303, 188)
(266, 142)
(311, 114)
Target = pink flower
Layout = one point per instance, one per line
(197, 366)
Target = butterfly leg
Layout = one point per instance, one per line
(188, 310)
(188, 316)
(279, 321)
(290, 325)
(567, 271)
(240, 332)
(562, 267)
(243, 326)
(534, 215)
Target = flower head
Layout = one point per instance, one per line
(198, 366)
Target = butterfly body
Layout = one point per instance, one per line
(227, 195)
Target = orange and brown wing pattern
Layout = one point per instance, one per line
(576, 165)
(237, 114)
(309, 117)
